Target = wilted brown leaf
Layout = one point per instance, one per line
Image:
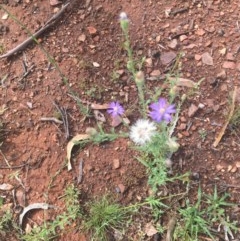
(71, 144)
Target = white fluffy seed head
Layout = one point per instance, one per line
(142, 131)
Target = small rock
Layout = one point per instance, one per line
(238, 66)
(220, 32)
(229, 168)
(201, 106)
(56, 10)
(237, 164)
(223, 51)
(210, 102)
(222, 75)
(116, 163)
(183, 37)
(155, 73)
(95, 64)
(207, 59)
(183, 119)
(82, 38)
(179, 135)
(230, 57)
(195, 176)
(30, 105)
(234, 169)
(210, 29)
(158, 38)
(192, 110)
(92, 30)
(208, 43)
(96, 38)
(173, 44)
(197, 57)
(200, 32)
(54, 2)
(168, 57)
(121, 188)
(193, 128)
(149, 62)
(5, 16)
(120, 72)
(116, 121)
(89, 167)
(190, 46)
(182, 126)
(186, 133)
(229, 65)
(216, 107)
(219, 167)
(150, 230)
(224, 87)
(65, 50)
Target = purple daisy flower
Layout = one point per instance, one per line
(115, 109)
(161, 111)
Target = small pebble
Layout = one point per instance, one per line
(116, 163)
(195, 176)
(121, 188)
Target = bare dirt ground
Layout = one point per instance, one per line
(86, 43)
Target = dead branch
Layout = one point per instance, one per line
(34, 37)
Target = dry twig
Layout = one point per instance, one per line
(63, 113)
(34, 37)
(51, 119)
(80, 169)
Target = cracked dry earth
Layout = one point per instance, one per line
(86, 43)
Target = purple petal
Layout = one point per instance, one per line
(171, 109)
(167, 117)
(154, 106)
(162, 102)
(156, 116)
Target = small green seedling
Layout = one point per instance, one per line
(203, 134)
(193, 222)
(216, 210)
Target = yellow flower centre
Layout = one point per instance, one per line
(162, 110)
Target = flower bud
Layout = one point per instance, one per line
(124, 21)
(91, 131)
(184, 97)
(139, 78)
(173, 91)
(173, 145)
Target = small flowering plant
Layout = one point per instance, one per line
(150, 133)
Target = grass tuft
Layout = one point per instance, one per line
(104, 217)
